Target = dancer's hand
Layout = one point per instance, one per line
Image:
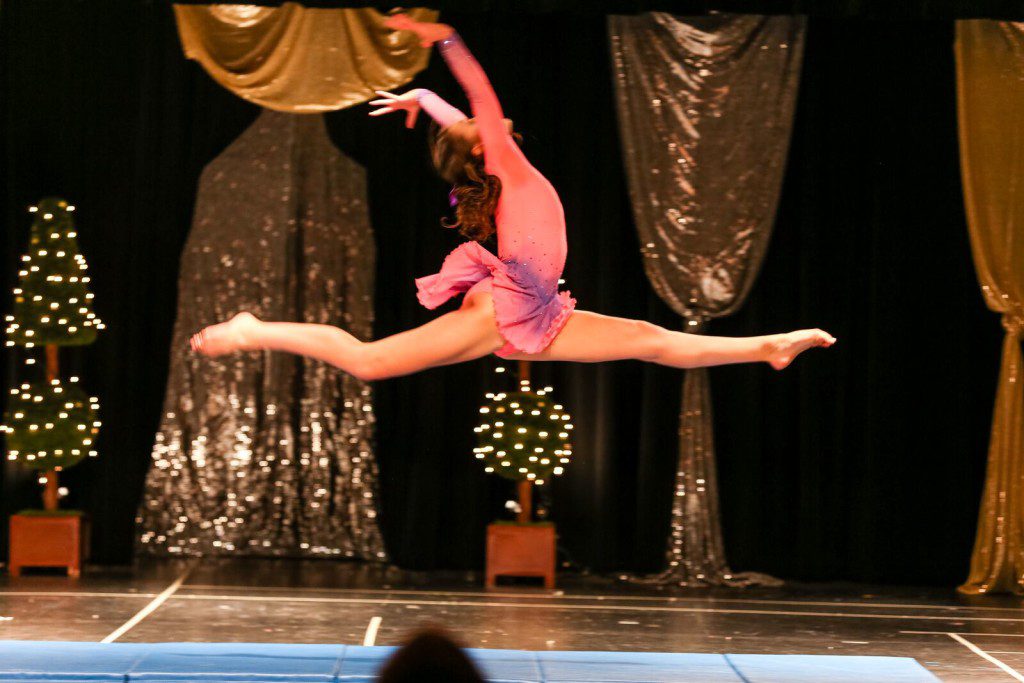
(406, 101)
(427, 32)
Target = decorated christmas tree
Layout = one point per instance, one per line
(50, 425)
(524, 436)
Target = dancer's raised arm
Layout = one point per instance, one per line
(499, 148)
(411, 102)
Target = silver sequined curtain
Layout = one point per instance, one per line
(705, 111)
(267, 453)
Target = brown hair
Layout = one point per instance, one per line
(474, 190)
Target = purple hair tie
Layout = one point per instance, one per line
(452, 199)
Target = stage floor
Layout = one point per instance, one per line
(325, 602)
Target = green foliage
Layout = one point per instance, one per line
(524, 435)
(50, 425)
(52, 302)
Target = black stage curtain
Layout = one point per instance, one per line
(861, 463)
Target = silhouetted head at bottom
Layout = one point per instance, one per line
(430, 656)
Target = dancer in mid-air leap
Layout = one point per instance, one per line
(511, 305)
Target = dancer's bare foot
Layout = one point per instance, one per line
(233, 335)
(783, 348)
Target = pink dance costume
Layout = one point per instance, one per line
(523, 277)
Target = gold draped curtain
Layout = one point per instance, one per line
(300, 60)
(990, 80)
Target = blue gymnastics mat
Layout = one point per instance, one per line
(68, 662)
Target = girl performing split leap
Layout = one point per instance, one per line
(511, 305)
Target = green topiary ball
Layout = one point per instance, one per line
(524, 435)
(50, 425)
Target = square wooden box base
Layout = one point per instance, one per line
(48, 541)
(521, 550)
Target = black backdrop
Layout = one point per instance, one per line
(862, 463)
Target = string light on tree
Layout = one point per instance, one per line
(524, 434)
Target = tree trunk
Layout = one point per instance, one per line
(525, 485)
(51, 497)
(525, 501)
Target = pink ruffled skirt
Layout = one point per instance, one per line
(529, 309)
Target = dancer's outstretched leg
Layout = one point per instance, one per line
(463, 335)
(591, 338)
(471, 333)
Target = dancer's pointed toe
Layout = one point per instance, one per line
(784, 348)
(227, 337)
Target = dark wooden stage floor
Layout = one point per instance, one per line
(326, 602)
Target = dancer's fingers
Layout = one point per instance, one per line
(410, 118)
(398, 21)
(384, 110)
(381, 103)
(385, 93)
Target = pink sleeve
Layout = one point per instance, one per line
(439, 110)
(500, 150)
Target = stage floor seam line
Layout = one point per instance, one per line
(453, 603)
(615, 608)
(371, 631)
(986, 656)
(150, 607)
(185, 587)
(75, 594)
(963, 633)
(571, 596)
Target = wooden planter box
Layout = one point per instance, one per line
(521, 550)
(48, 540)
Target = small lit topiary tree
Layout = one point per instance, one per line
(49, 425)
(524, 436)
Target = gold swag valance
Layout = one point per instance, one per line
(301, 60)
